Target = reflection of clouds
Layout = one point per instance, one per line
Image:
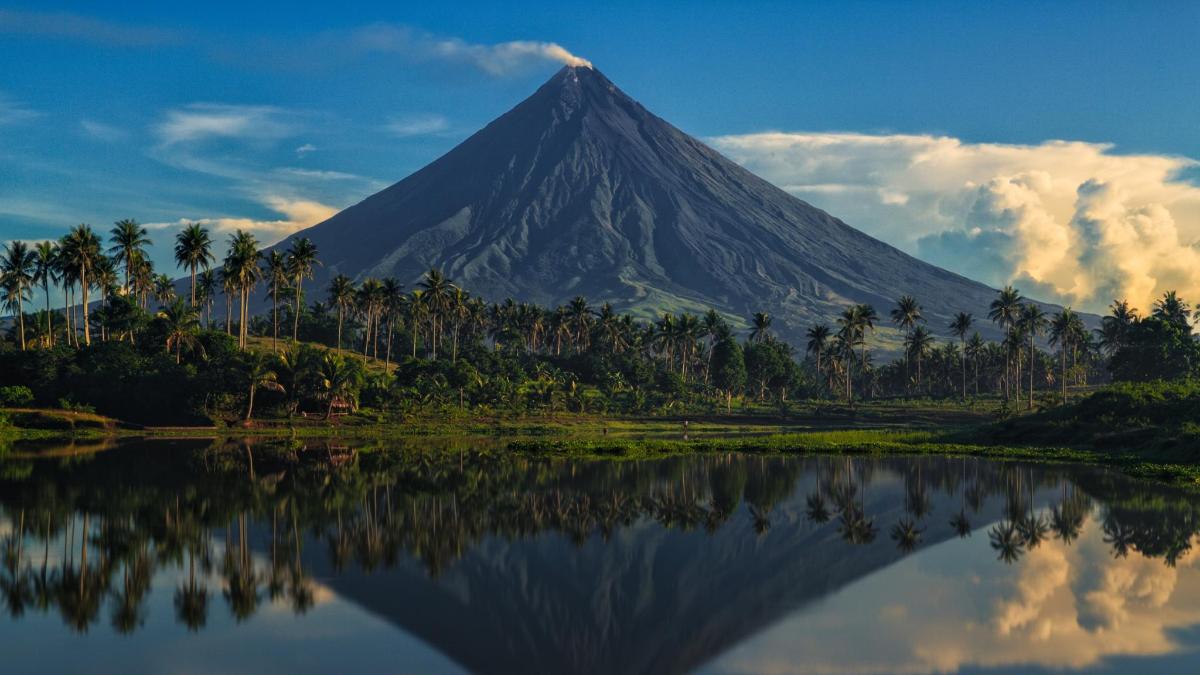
(1059, 607)
(1044, 572)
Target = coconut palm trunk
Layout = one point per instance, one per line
(1032, 356)
(963, 340)
(83, 289)
(299, 297)
(341, 317)
(49, 314)
(20, 316)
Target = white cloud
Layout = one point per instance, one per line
(297, 214)
(102, 132)
(305, 149)
(496, 59)
(1076, 222)
(421, 125)
(200, 121)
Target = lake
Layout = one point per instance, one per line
(447, 556)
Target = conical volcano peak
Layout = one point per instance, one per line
(580, 190)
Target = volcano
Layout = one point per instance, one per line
(579, 190)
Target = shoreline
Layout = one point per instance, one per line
(634, 439)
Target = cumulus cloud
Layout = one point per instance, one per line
(296, 215)
(1077, 222)
(421, 125)
(200, 121)
(1061, 607)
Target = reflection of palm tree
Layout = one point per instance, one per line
(191, 599)
(1118, 535)
(761, 518)
(817, 511)
(1066, 519)
(241, 579)
(1007, 541)
(856, 527)
(906, 534)
(961, 525)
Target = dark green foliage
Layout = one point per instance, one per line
(1156, 349)
(1160, 419)
(728, 366)
(15, 396)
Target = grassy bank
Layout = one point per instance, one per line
(859, 442)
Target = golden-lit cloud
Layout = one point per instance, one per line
(297, 214)
(1073, 222)
(954, 606)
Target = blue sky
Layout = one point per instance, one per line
(270, 115)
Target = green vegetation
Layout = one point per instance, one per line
(377, 355)
(1159, 421)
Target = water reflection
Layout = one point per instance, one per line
(512, 564)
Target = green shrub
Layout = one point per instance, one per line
(15, 396)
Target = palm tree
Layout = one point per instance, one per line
(866, 324)
(960, 326)
(261, 373)
(1172, 309)
(818, 339)
(1005, 310)
(337, 379)
(391, 302)
(206, 291)
(18, 267)
(277, 275)
(579, 316)
(81, 251)
(241, 264)
(129, 243)
(1062, 334)
(1033, 320)
(907, 313)
(181, 323)
(437, 295)
(760, 327)
(341, 295)
(164, 289)
(974, 349)
(46, 267)
(193, 249)
(301, 258)
(918, 344)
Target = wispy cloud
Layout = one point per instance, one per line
(501, 58)
(373, 40)
(103, 132)
(420, 125)
(305, 149)
(1069, 221)
(200, 121)
(14, 112)
(84, 28)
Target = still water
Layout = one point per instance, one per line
(202, 557)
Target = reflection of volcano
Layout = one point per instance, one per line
(649, 600)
